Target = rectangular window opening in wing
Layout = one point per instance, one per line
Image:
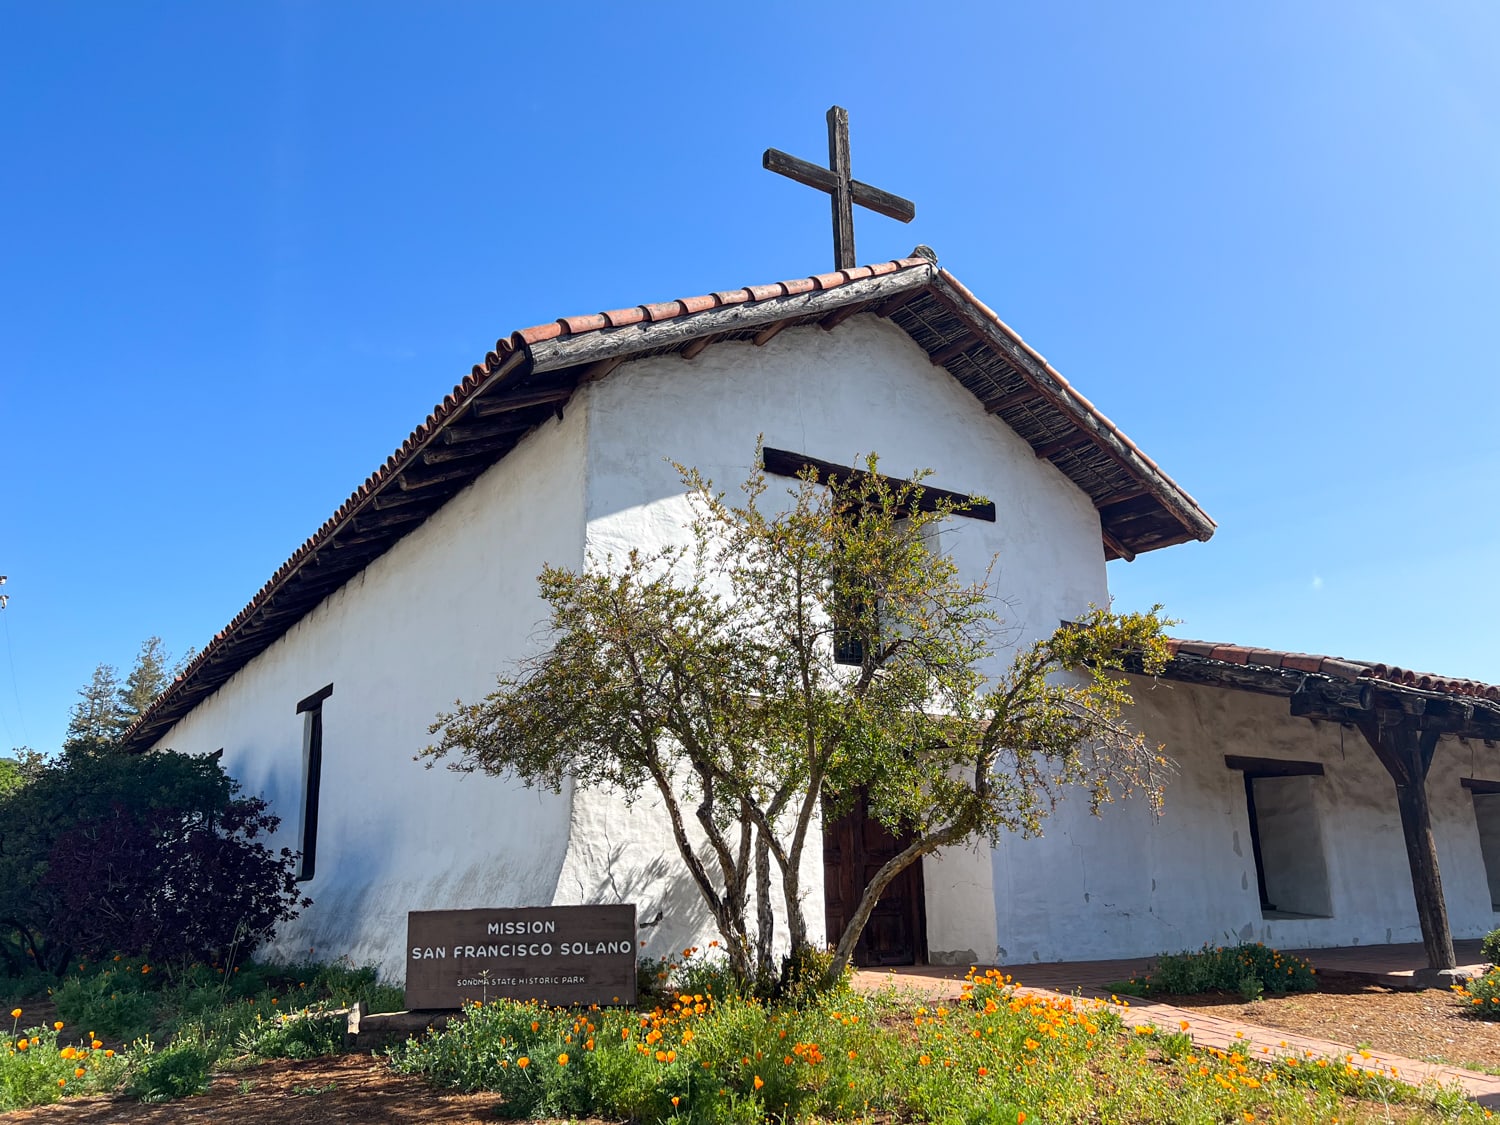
(311, 710)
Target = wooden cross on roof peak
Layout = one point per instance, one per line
(844, 188)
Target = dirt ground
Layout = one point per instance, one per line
(1427, 1026)
(329, 1091)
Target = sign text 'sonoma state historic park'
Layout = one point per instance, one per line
(556, 954)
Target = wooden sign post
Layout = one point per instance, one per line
(555, 954)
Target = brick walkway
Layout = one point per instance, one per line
(1090, 978)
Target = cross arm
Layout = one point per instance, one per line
(816, 176)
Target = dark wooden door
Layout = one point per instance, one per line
(855, 847)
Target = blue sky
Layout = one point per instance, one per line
(248, 246)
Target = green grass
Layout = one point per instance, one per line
(1250, 968)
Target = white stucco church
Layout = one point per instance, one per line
(1285, 821)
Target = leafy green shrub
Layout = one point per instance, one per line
(180, 1068)
(139, 854)
(299, 1035)
(1251, 969)
(1481, 996)
(1489, 948)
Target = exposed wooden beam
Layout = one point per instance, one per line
(1035, 370)
(387, 500)
(596, 371)
(1015, 398)
(1063, 444)
(895, 304)
(462, 435)
(504, 404)
(1135, 492)
(964, 343)
(769, 333)
(390, 519)
(838, 316)
(1116, 546)
(436, 455)
(586, 347)
(695, 348)
(411, 482)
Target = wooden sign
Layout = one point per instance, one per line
(555, 954)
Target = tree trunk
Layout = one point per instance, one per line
(765, 917)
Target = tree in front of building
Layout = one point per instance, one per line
(799, 654)
(154, 854)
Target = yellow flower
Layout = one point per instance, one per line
(15, 1013)
(109, 1054)
(562, 1059)
(523, 1062)
(22, 1044)
(675, 1100)
(58, 1026)
(79, 1072)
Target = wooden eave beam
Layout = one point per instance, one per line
(838, 316)
(1063, 444)
(893, 305)
(411, 482)
(964, 343)
(1027, 393)
(1116, 546)
(1035, 371)
(695, 347)
(504, 404)
(588, 347)
(391, 519)
(437, 456)
(461, 435)
(769, 333)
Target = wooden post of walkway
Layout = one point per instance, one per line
(1406, 752)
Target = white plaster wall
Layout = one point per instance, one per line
(432, 620)
(834, 395)
(1126, 884)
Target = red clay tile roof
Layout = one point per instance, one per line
(1336, 667)
(529, 374)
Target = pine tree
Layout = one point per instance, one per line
(147, 679)
(96, 721)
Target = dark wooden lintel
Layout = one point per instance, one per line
(784, 463)
(1479, 785)
(1273, 767)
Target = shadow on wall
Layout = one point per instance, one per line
(669, 908)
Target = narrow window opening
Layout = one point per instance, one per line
(1487, 816)
(311, 710)
(1286, 836)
